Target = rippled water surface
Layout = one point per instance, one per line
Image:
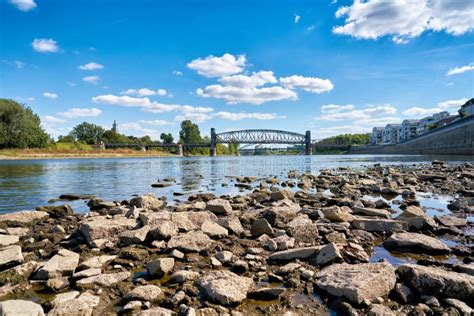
(29, 183)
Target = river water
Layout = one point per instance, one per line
(25, 184)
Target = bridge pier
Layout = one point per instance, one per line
(213, 150)
(179, 150)
(307, 145)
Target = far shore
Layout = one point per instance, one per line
(27, 154)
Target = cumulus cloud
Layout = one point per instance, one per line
(91, 79)
(91, 66)
(177, 73)
(257, 79)
(156, 107)
(121, 100)
(155, 122)
(334, 108)
(404, 19)
(309, 84)
(145, 92)
(460, 70)
(240, 116)
(195, 117)
(80, 112)
(50, 95)
(342, 113)
(45, 45)
(253, 95)
(297, 18)
(23, 5)
(138, 130)
(49, 119)
(212, 66)
(451, 106)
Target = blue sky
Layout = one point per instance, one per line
(331, 67)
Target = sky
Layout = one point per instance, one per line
(331, 67)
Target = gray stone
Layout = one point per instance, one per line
(459, 305)
(96, 262)
(224, 256)
(63, 297)
(151, 293)
(156, 311)
(438, 282)
(219, 206)
(378, 225)
(380, 310)
(10, 255)
(337, 214)
(87, 273)
(232, 224)
(451, 221)
(18, 231)
(194, 241)
(163, 229)
(20, 307)
(72, 307)
(152, 218)
(148, 201)
(327, 254)
(416, 218)
(288, 268)
(225, 287)
(466, 268)
(266, 293)
(357, 282)
(214, 230)
(104, 280)
(6, 240)
(136, 236)
(102, 227)
(22, 217)
(63, 263)
(417, 243)
(160, 267)
(283, 212)
(183, 276)
(192, 220)
(282, 195)
(371, 212)
(261, 226)
(297, 253)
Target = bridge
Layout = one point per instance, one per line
(249, 136)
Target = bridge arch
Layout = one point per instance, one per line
(260, 136)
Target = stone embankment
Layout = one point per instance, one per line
(271, 251)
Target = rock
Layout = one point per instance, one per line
(10, 255)
(403, 292)
(194, 241)
(297, 253)
(101, 227)
(104, 280)
(6, 240)
(17, 231)
(136, 236)
(282, 195)
(20, 307)
(96, 262)
(57, 229)
(224, 256)
(151, 293)
(232, 224)
(160, 267)
(451, 221)
(437, 282)
(261, 226)
(459, 305)
(160, 185)
(307, 233)
(192, 220)
(156, 311)
(214, 230)
(183, 276)
(72, 307)
(283, 212)
(371, 212)
(378, 225)
(164, 229)
(380, 310)
(266, 293)
(151, 218)
(63, 263)
(22, 217)
(219, 206)
(281, 243)
(416, 243)
(90, 299)
(328, 253)
(337, 214)
(225, 287)
(288, 268)
(466, 268)
(57, 284)
(87, 273)
(57, 211)
(357, 282)
(63, 297)
(240, 266)
(416, 218)
(148, 201)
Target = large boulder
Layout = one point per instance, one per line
(327, 254)
(283, 212)
(368, 211)
(148, 201)
(96, 262)
(22, 217)
(163, 229)
(261, 226)
(437, 282)
(160, 267)
(214, 230)
(232, 225)
(225, 287)
(451, 221)
(104, 280)
(219, 206)
(136, 236)
(57, 211)
(192, 220)
(10, 255)
(357, 282)
(417, 243)
(194, 241)
(282, 195)
(63, 263)
(378, 224)
(150, 293)
(6, 240)
(20, 307)
(337, 214)
(102, 227)
(72, 307)
(416, 218)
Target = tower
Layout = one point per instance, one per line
(115, 127)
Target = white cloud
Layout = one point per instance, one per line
(212, 66)
(155, 122)
(144, 92)
(80, 112)
(49, 119)
(91, 66)
(45, 45)
(257, 79)
(177, 73)
(121, 100)
(310, 28)
(451, 106)
(240, 116)
(310, 84)
(297, 18)
(460, 70)
(156, 107)
(334, 108)
(138, 130)
(381, 121)
(356, 114)
(252, 95)
(24, 5)
(91, 79)
(50, 95)
(195, 117)
(194, 109)
(405, 19)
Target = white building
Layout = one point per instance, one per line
(426, 122)
(467, 109)
(407, 130)
(376, 136)
(390, 134)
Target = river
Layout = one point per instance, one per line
(25, 184)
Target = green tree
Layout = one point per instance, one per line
(114, 138)
(20, 127)
(167, 138)
(189, 133)
(88, 133)
(66, 139)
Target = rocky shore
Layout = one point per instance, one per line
(305, 245)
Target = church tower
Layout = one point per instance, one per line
(115, 127)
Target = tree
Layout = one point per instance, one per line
(114, 138)
(20, 127)
(66, 139)
(167, 138)
(88, 133)
(189, 133)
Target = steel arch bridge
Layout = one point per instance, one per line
(260, 136)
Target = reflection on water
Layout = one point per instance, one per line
(29, 183)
